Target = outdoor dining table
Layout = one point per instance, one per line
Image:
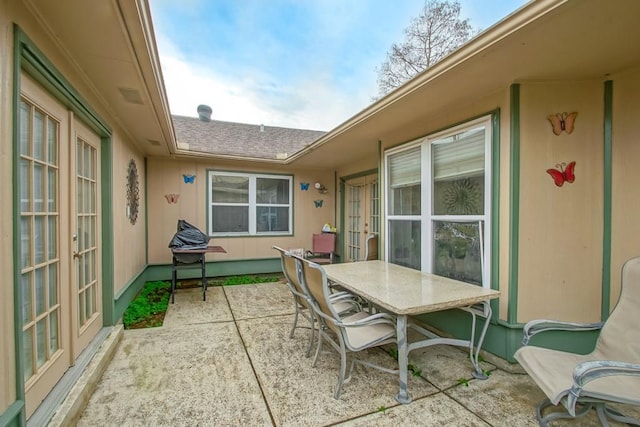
(185, 258)
(406, 292)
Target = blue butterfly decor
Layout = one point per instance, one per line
(318, 203)
(189, 179)
(304, 186)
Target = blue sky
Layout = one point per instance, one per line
(308, 64)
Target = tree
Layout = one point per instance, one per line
(436, 32)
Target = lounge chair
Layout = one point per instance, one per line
(609, 374)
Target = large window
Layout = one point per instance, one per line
(438, 203)
(249, 204)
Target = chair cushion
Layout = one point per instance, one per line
(552, 370)
(360, 337)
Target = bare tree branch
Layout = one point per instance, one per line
(435, 33)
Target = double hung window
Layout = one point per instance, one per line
(249, 204)
(438, 203)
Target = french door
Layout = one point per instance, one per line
(59, 257)
(362, 216)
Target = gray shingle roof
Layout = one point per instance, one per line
(240, 139)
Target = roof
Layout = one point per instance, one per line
(217, 137)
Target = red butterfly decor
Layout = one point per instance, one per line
(563, 174)
(172, 198)
(562, 122)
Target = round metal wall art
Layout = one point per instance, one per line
(132, 192)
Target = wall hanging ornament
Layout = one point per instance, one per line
(562, 122)
(133, 189)
(563, 173)
(317, 203)
(189, 179)
(172, 198)
(304, 186)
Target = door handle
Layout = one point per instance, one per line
(76, 254)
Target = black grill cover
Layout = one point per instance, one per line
(188, 237)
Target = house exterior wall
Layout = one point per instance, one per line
(129, 241)
(165, 176)
(561, 228)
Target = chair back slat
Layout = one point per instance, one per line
(620, 335)
(316, 284)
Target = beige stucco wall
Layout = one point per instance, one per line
(165, 176)
(560, 252)
(625, 233)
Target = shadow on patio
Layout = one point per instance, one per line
(229, 361)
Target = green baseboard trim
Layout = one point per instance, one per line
(14, 416)
(503, 339)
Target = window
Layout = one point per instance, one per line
(249, 204)
(438, 203)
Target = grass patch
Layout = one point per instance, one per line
(148, 308)
(247, 280)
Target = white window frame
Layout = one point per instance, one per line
(252, 204)
(427, 218)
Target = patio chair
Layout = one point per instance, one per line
(342, 302)
(351, 333)
(371, 247)
(323, 247)
(609, 374)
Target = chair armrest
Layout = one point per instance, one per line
(586, 372)
(536, 326)
(371, 320)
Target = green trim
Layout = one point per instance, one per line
(514, 203)
(608, 190)
(108, 263)
(495, 210)
(146, 212)
(28, 58)
(128, 293)
(17, 289)
(14, 415)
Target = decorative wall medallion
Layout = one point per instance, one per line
(562, 122)
(133, 189)
(563, 173)
(462, 197)
(172, 198)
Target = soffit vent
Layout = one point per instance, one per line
(132, 96)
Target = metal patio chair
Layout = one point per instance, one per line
(371, 247)
(341, 301)
(609, 374)
(323, 248)
(345, 333)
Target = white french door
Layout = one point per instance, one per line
(362, 215)
(59, 257)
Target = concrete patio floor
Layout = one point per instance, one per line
(229, 361)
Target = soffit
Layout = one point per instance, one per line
(543, 41)
(112, 45)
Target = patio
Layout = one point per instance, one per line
(229, 361)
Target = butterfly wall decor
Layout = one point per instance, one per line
(563, 173)
(304, 186)
(189, 179)
(318, 203)
(172, 198)
(562, 122)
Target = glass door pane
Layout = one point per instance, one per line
(39, 237)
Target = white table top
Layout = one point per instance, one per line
(403, 290)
